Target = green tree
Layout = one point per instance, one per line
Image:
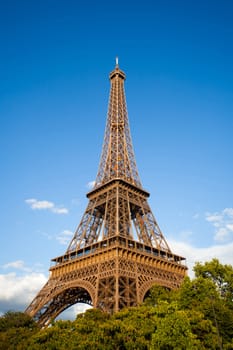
(173, 329)
(16, 320)
(137, 324)
(16, 329)
(86, 332)
(218, 305)
(158, 293)
(221, 275)
(194, 294)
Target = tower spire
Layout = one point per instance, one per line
(117, 159)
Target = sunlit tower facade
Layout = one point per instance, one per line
(118, 251)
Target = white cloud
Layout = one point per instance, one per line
(18, 265)
(196, 216)
(35, 204)
(91, 184)
(214, 217)
(221, 234)
(228, 211)
(229, 227)
(60, 210)
(64, 237)
(45, 205)
(223, 252)
(17, 292)
(223, 223)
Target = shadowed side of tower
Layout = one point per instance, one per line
(118, 250)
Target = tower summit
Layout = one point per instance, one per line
(118, 251)
(117, 159)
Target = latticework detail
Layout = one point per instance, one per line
(118, 250)
(118, 208)
(117, 159)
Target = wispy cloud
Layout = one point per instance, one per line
(60, 210)
(75, 201)
(196, 216)
(46, 205)
(64, 237)
(223, 224)
(17, 265)
(90, 184)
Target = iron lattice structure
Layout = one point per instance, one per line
(118, 251)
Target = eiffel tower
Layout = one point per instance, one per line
(118, 251)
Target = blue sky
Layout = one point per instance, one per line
(55, 57)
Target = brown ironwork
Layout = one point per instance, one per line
(118, 251)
